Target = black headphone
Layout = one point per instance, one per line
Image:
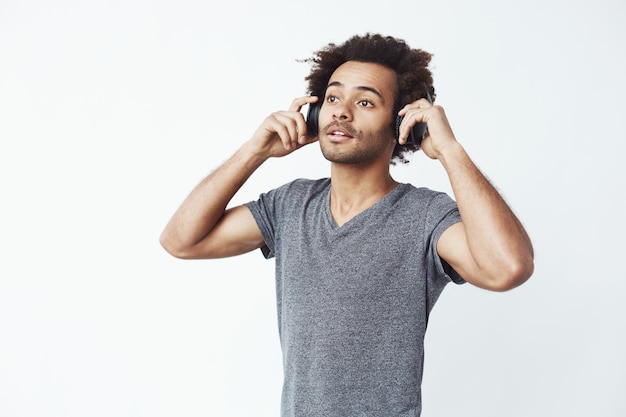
(415, 136)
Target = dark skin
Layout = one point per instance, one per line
(489, 248)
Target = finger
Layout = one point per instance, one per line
(410, 117)
(422, 103)
(301, 129)
(275, 125)
(294, 128)
(296, 104)
(285, 137)
(300, 124)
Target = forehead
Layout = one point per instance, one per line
(357, 75)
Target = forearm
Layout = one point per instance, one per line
(495, 237)
(206, 204)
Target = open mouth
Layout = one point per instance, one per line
(339, 133)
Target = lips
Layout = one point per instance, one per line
(339, 132)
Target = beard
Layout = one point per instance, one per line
(361, 149)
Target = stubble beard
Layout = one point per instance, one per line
(361, 149)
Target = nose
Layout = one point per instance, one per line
(342, 112)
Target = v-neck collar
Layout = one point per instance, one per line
(353, 219)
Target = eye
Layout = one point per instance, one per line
(365, 103)
(332, 99)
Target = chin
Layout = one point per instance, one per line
(364, 149)
(350, 157)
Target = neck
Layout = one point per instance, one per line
(355, 188)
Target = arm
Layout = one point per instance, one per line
(202, 227)
(490, 247)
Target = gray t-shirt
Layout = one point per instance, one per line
(353, 301)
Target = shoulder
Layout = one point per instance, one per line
(422, 197)
(308, 185)
(291, 194)
(411, 190)
(300, 188)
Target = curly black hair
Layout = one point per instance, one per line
(414, 79)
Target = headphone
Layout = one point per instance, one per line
(418, 131)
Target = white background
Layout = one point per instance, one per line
(111, 111)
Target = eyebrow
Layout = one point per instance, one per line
(361, 88)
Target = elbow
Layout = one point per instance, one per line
(171, 247)
(204, 249)
(512, 275)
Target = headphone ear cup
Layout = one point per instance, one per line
(418, 131)
(397, 131)
(312, 119)
(411, 139)
(416, 134)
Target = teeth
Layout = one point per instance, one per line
(339, 133)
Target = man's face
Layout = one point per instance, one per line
(355, 118)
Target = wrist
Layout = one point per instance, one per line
(252, 154)
(452, 155)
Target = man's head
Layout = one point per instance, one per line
(409, 65)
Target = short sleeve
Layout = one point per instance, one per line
(263, 210)
(443, 213)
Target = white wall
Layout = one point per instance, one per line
(110, 112)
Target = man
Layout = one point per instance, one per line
(360, 258)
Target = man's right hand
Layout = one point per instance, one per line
(202, 228)
(282, 132)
